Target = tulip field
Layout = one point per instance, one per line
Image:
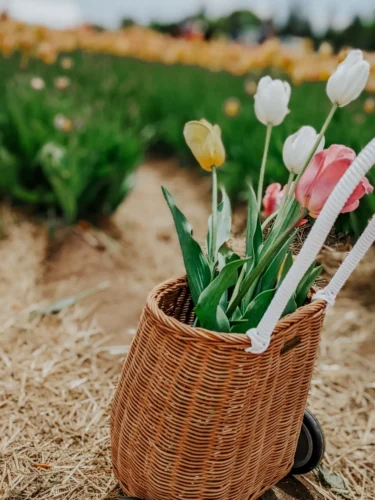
(141, 107)
(92, 126)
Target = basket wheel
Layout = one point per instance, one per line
(127, 498)
(311, 446)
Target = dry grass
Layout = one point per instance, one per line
(343, 390)
(56, 382)
(57, 378)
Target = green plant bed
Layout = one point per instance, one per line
(81, 169)
(128, 106)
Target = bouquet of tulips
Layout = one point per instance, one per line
(230, 292)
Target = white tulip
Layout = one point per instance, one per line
(271, 100)
(349, 79)
(298, 147)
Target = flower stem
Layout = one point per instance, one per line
(285, 197)
(263, 167)
(238, 284)
(214, 218)
(264, 261)
(288, 186)
(269, 219)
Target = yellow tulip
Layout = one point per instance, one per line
(369, 105)
(250, 87)
(205, 142)
(232, 107)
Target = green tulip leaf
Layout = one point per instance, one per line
(306, 283)
(222, 322)
(286, 265)
(271, 274)
(254, 312)
(196, 265)
(225, 256)
(210, 297)
(224, 223)
(254, 236)
(291, 306)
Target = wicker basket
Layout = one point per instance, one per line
(195, 417)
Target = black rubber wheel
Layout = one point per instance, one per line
(311, 446)
(127, 498)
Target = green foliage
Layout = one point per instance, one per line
(83, 171)
(270, 277)
(231, 294)
(207, 306)
(224, 223)
(196, 265)
(254, 312)
(120, 106)
(254, 236)
(306, 283)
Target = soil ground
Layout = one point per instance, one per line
(138, 251)
(144, 253)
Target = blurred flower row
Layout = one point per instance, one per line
(300, 61)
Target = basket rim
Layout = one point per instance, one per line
(239, 339)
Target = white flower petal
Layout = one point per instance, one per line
(349, 79)
(271, 101)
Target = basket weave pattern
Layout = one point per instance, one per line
(195, 417)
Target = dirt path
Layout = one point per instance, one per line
(145, 254)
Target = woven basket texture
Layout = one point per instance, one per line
(195, 417)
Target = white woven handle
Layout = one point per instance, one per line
(329, 293)
(261, 336)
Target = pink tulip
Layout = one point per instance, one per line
(321, 176)
(272, 199)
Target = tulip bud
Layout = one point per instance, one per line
(271, 100)
(273, 197)
(298, 147)
(205, 142)
(349, 79)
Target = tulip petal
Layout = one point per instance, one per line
(298, 146)
(306, 182)
(271, 101)
(349, 79)
(363, 188)
(288, 89)
(204, 122)
(338, 152)
(321, 177)
(353, 57)
(350, 208)
(318, 164)
(356, 80)
(196, 135)
(204, 140)
(263, 83)
(325, 184)
(272, 198)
